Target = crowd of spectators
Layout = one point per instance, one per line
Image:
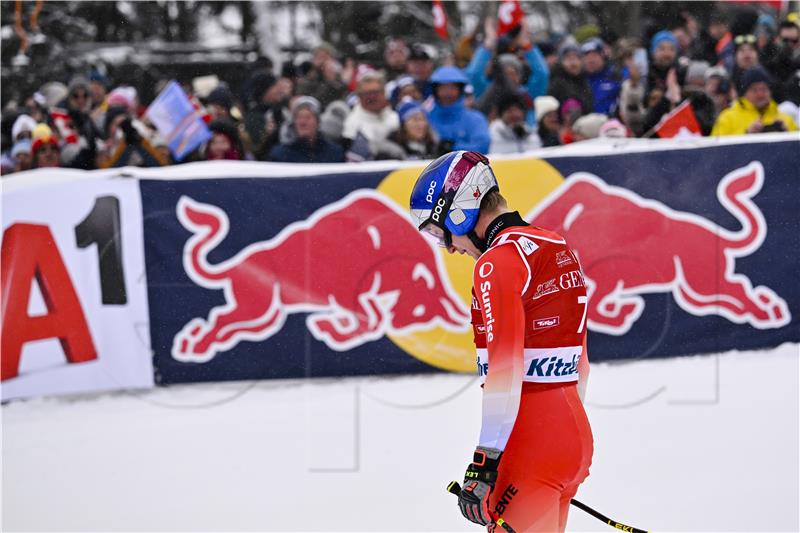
(493, 94)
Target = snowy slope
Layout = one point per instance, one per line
(695, 444)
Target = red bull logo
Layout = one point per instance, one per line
(630, 246)
(358, 267)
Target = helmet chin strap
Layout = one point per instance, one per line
(479, 243)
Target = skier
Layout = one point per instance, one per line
(529, 322)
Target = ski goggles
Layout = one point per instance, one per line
(441, 236)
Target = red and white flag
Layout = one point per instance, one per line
(440, 19)
(509, 16)
(681, 121)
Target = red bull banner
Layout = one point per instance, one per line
(687, 247)
(227, 271)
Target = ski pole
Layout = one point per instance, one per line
(455, 488)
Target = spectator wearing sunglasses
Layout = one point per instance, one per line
(75, 127)
(783, 58)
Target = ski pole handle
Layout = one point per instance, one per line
(455, 488)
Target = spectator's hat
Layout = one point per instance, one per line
(569, 48)
(306, 102)
(571, 106)
(751, 76)
(326, 47)
(124, 96)
(97, 77)
(589, 125)
(664, 36)
(510, 100)
(22, 147)
(766, 24)
(260, 83)
(613, 129)
(78, 82)
(42, 135)
(408, 109)
(717, 71)
(594, 44)
(221, 96)
(419, 52)
(53, 92)
(510, 60)
(696, 72)
(586, 32)
(544, 105)
(22, 124)
(449, 74)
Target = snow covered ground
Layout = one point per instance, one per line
(694, 444)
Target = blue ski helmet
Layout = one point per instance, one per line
(446, 198)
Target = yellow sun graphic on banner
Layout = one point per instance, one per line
(524, 183)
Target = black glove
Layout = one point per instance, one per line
(132, 136)
(479, 482)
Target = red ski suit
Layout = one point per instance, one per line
(529, 320)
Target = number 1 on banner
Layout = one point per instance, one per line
(102, 227)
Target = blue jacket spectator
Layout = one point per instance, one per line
(455, 123)
(536, 84)
(604, 80)
(308, 145)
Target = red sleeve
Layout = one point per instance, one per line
(500, 277)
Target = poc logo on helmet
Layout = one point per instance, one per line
(431, 190)
(437, 211)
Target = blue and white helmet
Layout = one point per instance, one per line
(446, 198)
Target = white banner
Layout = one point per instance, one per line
(74, 292)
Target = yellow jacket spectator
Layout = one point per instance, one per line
(755, 111)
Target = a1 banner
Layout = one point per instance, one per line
(74, 291)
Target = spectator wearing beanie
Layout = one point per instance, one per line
(22, 128)
(568, 80)
(308, 146)
(415, 137)
(547, 117)
(588, 126)
(509, 133)
(220, 102)
(225, 142)
(603, 78)
(754, 111)
(663, 59)
(22, 155)
(44, 149)
(268, 113)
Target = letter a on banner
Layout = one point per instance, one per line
(29, 251)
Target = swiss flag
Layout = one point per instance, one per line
(440, 19)
(509, 16)
(681, 121)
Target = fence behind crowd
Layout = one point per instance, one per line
(231, 271)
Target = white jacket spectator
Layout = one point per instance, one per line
(371, 117)
(510, 134)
